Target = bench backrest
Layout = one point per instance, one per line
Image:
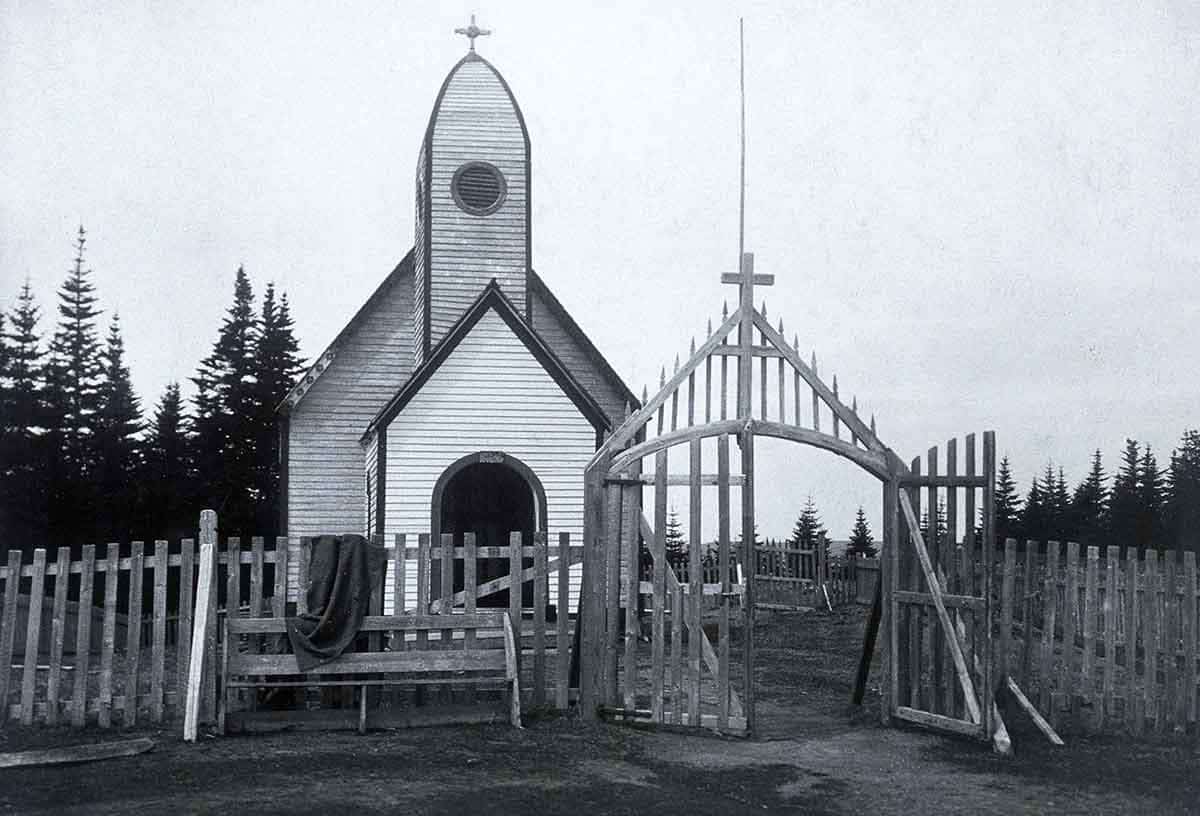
(409, 660)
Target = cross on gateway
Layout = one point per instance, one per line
(472, 31)
(746, 280)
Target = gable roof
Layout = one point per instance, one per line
(536, 286)
(493, 299)
(306, 380)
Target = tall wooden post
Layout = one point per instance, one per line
(206, 589)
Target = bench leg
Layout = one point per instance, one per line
(362, 710)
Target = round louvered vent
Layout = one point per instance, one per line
(478, 188)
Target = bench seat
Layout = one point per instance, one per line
(445, 661)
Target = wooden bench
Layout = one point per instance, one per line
(447, 660)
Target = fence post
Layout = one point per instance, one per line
(204, 591)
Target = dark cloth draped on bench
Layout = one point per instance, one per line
(343, 571)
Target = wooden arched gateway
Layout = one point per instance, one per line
(935, 587)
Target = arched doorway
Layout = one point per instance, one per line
(492, 495)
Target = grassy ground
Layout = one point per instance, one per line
(816, 756)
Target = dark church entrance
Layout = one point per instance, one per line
(491, 495)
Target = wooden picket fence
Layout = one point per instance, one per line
(111, 644)
(77, 664)
(790, 577)
(1101, 640)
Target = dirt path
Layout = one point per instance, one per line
(821, 759)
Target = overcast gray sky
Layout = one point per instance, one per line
(977, 218)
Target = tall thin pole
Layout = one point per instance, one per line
(742, 134)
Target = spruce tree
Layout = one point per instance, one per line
(862, 544)
(118, 423)
(1007, 504)
(809, 533)
(1033, 514)
(1089, 506)
(1125, 502)
(227, 419)
(1058, 502)
(1150, 501)
(21, 465)
(278, 365)
(1182, 512)
(675, 541)
(73, 376)
(167, 467)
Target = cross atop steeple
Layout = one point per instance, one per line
(472, 31)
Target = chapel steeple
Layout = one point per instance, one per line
(473, 220)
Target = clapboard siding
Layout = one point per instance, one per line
(584, 365)
(490, 394)
(326, 461)
(476, 120)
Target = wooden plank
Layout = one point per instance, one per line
(936, 639)
(279, 592)
(889, 577)
(110, 636)
(400, 577)
(724, 689)
(33, 632)
(1070, 679)
(970, 602)
(257, 561)
(562, 640)
(233, 603)
(708, 378)
(915, 614)
(76, 753)
(970, 544)
(950, 570)
(183, 646)
(951, 636)
(631, 502)
(1135, 629)
(133, 648)
(423, 578)
(1109, 665)
(8, 625)
(430, 660)
(459, 621)
(1190, 635)
(514, 591)
(541, 579)
(205, 589)
(1090, 603)
(782, 409)
(1007, 581)
(1027, 610)
(58, 634)
(1049, 621)
(1170, 630)
(939, 721)
(696, 575)
(1151, 635)
(1038, 719)
(159, 641)
(658, 555)
(303, 556)
(677, 704)
(747, 441)
(83, 638)
(470, 562)
(612, 592)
